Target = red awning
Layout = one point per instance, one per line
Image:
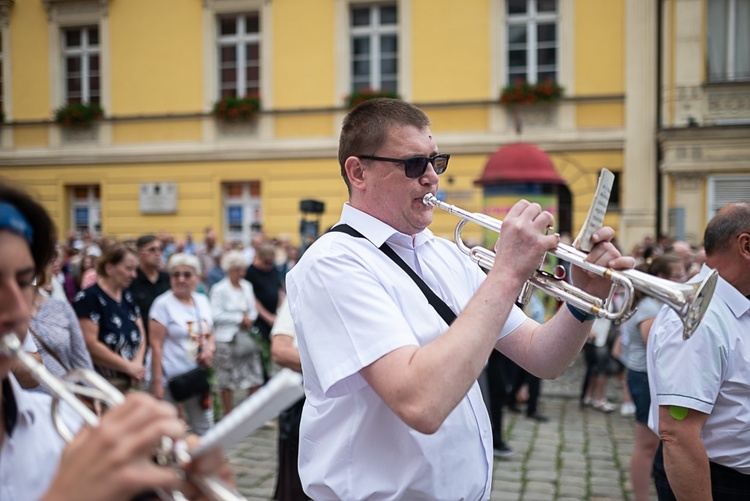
(519, 163)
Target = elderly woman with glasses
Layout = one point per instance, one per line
(180, 328)
(233, 307)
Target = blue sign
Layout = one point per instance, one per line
(234, 215)
(81, 215)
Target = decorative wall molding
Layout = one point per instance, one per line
(688, 181)
(62, 10)
(5, 6)
(730, 102)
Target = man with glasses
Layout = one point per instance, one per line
(393, 409)
(700, 388)
(150, 281)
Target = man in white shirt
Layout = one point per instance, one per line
(393, 409)
(700, 388)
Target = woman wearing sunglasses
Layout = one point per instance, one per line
(180, 330)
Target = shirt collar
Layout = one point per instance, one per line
(378, 232)
(738, 303)
(14, 409)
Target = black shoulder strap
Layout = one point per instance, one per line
(443, 309)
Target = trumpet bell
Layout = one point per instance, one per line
(699, 303)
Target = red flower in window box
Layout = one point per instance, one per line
(78, 114)
(523, 92)
(362, 95)
(236, 108)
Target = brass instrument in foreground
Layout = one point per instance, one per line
(689, 301)
(100, 389)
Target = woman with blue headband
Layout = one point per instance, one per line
(112, 461)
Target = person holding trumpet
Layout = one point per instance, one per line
(111, 461)
(393, 407)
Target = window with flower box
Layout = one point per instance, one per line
(532, 40)
(374, 47)
(239, 54)
(81, 62)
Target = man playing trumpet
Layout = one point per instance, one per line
(393, 408)
(109, 462)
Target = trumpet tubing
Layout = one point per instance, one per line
(67, 389)
(689, 301)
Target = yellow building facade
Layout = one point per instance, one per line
(160, 161)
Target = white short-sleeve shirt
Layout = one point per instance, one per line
(352, 305)
(184, 323)
(709, 372)
(30, 454)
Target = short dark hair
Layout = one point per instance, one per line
(365, 129)
(662, 265)
(45, 234)
(726, 225)
(145, 240)
(114, 255)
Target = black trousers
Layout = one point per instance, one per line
(726, 484)
(498, 383)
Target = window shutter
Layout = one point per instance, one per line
(728, 189)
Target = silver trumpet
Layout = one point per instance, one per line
(91, 385)
(689, 301)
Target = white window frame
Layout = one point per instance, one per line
(212, 9)
(91, 203)
(239, 41)
(531, 19)
(7, 103)
(374, 31)
(740, 183)
(251, 207)
(83, 53)
(729, 44)
(62, 14)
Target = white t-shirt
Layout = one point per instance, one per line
(709, 372)
(352, 305)
(183, 328)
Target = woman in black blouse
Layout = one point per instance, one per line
(111, 321)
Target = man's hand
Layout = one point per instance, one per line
(523, 240)
(604, 253)
(114, 460)
(211, 464)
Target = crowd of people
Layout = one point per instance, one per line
(184, 327)
(392, 328)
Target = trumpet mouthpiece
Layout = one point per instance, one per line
(429, 199)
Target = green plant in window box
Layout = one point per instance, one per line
(236, 108)
(361, 95)
(522, 92)
(78, 114)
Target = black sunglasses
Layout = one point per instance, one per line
(184, 274)
(415, 167)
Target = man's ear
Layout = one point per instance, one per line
(355, 171)
(743, 245)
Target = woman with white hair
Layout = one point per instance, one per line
(237, 361)
(182, 344)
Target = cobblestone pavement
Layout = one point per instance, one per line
(580, 454)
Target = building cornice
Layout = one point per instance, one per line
(221, 151)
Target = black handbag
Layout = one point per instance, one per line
(190, 384)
